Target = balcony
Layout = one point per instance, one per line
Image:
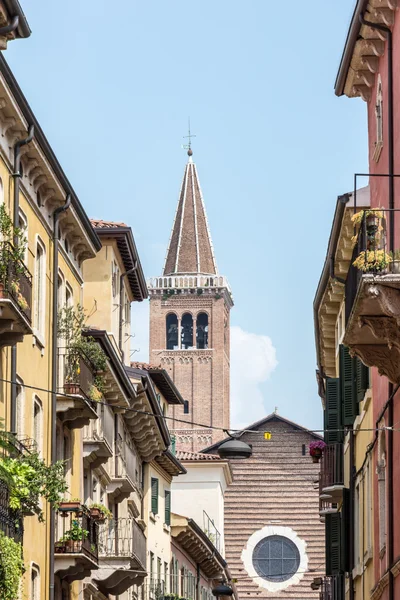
(211, 531)
(326, 507)
(372, 296)
(125, 477)
(75, 378)
(332, 474)
(15, 297)
(98, 437)
(326, 592)
(122, 553)
(76, 551)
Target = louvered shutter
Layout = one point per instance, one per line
(154, 495)
(167, 507)
(333, 406)
(333, 546)
(345, 558)
(362, 379)
(348, 378)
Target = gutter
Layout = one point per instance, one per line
(14, 9)
(327, 268)
(352, 37)
(46, 148)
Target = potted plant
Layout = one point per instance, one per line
(376, 261)
(11, 253)
(74, 537)
(70, 505)
(316, 450)
(99, 512)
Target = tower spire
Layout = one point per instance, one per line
(190, 249)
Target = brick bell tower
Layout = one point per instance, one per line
(189, 322)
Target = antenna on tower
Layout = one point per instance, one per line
(188, 146)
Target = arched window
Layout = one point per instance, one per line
(202, 331)
(172, 331)
(187, 331)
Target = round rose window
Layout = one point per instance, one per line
(276, 558)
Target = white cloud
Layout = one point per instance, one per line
(253, 358)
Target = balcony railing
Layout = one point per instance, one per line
(203, 282)
(11, 523)
(155, 588)
(211, 531)
(332, 471)
(77, 534)
(326, 592)
(101, 429)
(15, 280)
(126, 463)
(371, 251)
(75, 373)
(124, 538)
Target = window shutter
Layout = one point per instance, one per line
(333, 413)
(154, 495)
(362, 379)
(346, 567)
(167, 507)
(332, 540)
(348, 379)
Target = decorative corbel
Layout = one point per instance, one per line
(371, 62)
(385, 15)
(363, 91)
(30, 164)
(39, 182)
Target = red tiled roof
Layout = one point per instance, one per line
(183, 455)
(100, 224)
(144, 366)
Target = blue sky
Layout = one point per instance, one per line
(113, 89)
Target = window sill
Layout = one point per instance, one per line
(38, 340)
(167, 528)
(153, 517)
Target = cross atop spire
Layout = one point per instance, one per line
(190, 249)
(188, 146)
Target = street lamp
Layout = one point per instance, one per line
(234, 448)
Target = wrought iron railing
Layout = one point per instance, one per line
(155, 588)
(77, 534)
(126, 463)
(371, 253)
(11, 522)
(326, 589)
(332, 466)
(211, 531)
(122, 537)
(101, 429)
(15, 280)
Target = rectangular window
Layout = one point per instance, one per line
(20, 408)
(159, 563)
(167, 520)
(154, 495)
(186, 407)
(40, 288)
(69, 296)
(35, 584)
(151, 566)
(166, 576)
(23, 225)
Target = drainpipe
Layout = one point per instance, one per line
(53, 429)
(16, 176)
(198, 582)
(388, 33)
(121, 308)
(352, 502)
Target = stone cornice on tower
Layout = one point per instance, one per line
(190, 249)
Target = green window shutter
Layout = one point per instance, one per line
(348, 378)
(333, 543)
(154, 495)
(333, 411)
(173, 444)
(362, 379)
(345, 558)
(167, 507)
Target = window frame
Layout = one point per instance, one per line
(154, 487)
(40, 290)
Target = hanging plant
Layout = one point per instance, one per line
(373, 261)
(11, 568)
(357, 218)
(316, 450)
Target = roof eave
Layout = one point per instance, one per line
(134, 255)
(46, 148)
(352, 36)
(174, 396)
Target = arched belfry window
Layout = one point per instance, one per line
(187, 331)
(172, 331)
(202, 331)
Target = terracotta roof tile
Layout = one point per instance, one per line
(186, 455)
(100, 224)
(144, 366)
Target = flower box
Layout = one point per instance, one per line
(72, 388)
